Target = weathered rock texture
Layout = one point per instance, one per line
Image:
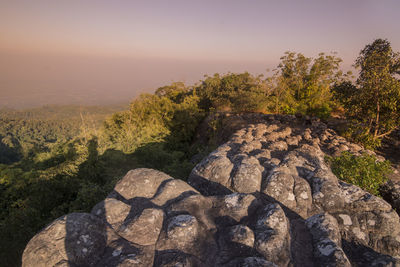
(265, 198)
(391, 193)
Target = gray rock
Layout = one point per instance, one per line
(250, 262)
(212, 175)
(235, 241)
(235, 206)
(120, 252)
(391, 193)
(76, 239)
(113, 211)
(278, 146)
(302, 192)
(172, 190)
(176, 259)
(292, 141)
(242, 235)
(181, 233)
(247, 175)
(327, 241)
(196, 205)
(279, 185)
(370, 221)
(140, 183)
(272, 239)
(144, 229)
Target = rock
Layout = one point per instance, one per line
(172, 190)
(176, 258)
(279, 146)
(279, 185)
(212, 175)
(241, 235)
(74, 239)
(354, 148)
(181, 233)
(250, 146)
(264, 198)
(247, 175)
(250, 262)
(144, 229)
(235, 206)
(293, 141)
(272, 235)
(302, 193)
(307, 134)
(120, 252)
(195, 205)
(391, 193)
(235, 241)
(299, 180)
(327, 240)
(113, 211)
(140, 183)
(373, 222)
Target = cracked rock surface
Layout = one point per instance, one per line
(264, 198)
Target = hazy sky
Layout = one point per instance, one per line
(89, 52)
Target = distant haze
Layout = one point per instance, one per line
(107, 52)
(29, 79)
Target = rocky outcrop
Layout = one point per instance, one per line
(264, 198)
(391, 193)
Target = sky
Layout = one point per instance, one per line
(107, 52)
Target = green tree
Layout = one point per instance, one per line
(374, 101)
(175, 92)
(234, 92)
(171, 115)
(304, 84)
(144, 122)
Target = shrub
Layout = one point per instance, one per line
(323, 111)
(364, 171)
(360, 134)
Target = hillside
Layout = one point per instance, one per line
(267, 197)
(29, 131)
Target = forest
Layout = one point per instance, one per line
(56, 160)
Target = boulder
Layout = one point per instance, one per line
(391, 193)
(74, 239)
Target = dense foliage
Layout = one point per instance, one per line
(45, 170)
(303, 85)
(56, 160)
(364, 171)
(374, 101)
(27, 133)
(234, 92)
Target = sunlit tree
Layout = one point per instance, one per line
(374, 100)
(304, 84)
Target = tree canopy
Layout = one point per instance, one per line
(304, 84)
(374, 100)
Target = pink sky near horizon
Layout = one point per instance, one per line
(95, 52)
